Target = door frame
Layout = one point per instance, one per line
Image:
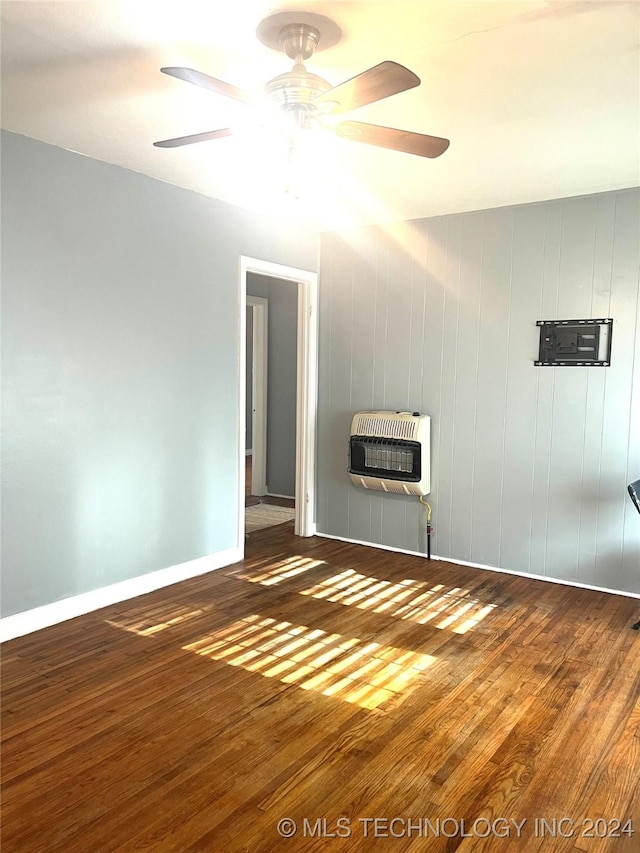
(306, 387)
(259, 374)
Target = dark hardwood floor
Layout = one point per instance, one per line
(321, 681)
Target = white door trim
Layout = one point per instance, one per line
(259, 375)
(307, 387)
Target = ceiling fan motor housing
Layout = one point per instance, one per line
(299, 40)
(296, 90)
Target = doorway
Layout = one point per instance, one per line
(271, 402)
(306, 387)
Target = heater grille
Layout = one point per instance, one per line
(401, 426)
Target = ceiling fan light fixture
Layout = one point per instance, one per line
(304, 101)
(299, 119)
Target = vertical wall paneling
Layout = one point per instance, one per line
(566, 457)
(448, 376)
(380, 251)
(632, 519)
(596, 382)
(325, 420)
(618, 433)
(545, 391)
(362, 369)
(466, 397)
(437, 230)
(397, 364)
(492, 373)
(521, 379)
(340, 405)
(416, 515)
(529, 465)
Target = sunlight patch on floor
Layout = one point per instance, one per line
(151, 621)
(351, 669)
(282, 571)
(417, 601)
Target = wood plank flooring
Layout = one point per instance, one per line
(333, 684)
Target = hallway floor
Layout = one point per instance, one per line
(252, 500)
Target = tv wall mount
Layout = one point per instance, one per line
(575, 343)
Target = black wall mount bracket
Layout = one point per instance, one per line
(575, 343)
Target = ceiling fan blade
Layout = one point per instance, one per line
(374, 84)
(195, 137)
(200, 79)
(391, 137)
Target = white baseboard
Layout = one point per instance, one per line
(481, 566)
(248, 452)
(78, 605)
(287, 497)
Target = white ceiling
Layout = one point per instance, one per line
(540, 98)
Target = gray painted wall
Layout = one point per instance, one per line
(529, 465)
(120, 370)
(281, 380)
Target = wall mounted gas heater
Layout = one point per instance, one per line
(390, 451)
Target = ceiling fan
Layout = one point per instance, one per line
(307, 100)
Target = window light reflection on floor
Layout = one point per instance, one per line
(417, 601)
(351, 669)
(283, 571)
(361, 672)
(150, 621)
(406, 599)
